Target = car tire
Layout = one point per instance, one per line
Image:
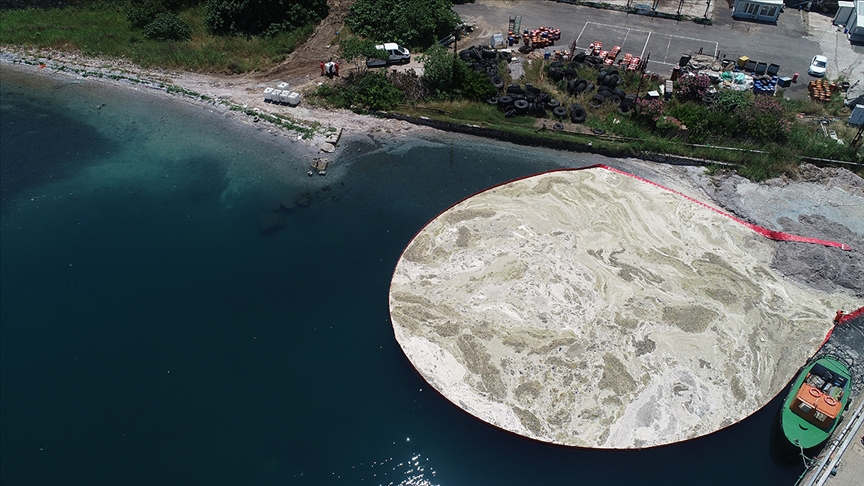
(581, 86)
(597, 101)
(514, 89)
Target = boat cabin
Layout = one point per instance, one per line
(818, 401)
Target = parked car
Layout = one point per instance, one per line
(395, 55)
(818, 66)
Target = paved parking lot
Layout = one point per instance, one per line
(662, 49)
(791, 44)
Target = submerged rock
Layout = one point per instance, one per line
(288, 204)
(303, 200)
(269, 222)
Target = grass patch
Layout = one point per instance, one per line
(101, 29)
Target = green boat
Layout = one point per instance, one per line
(816, 401)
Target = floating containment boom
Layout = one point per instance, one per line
(592, 308)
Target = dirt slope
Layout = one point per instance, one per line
(302, 65)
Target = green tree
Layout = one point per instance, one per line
(357, 50)
(440, 70)
(143, 12)
(411, 23)
(167, 26)
(447, 76)
(262, 17)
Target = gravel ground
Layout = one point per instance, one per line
(822, 203)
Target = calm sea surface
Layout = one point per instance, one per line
(150, 334)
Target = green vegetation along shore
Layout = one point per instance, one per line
(134, 31)
(761, 136)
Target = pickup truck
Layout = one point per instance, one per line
(395, 55)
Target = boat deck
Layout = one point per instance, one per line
(845, 451)
(845, 454)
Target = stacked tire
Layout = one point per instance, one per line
(711, 98)
(577, 113)
(505, 104)
(577, 86)
(628, 103)
(610, 79)
(556, 71)
(484, 60)
(530, 100)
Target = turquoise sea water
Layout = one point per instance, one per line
(150, 334)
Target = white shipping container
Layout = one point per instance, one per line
(498, 41)
(293, 99)
(857, 117)
(845, 11)
(268, 94)
(276, 94)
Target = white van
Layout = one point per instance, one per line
(395, 55)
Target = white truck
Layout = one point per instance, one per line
(395, 55)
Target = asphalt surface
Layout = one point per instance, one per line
(788, 44)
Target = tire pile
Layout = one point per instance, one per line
(482, 59)
(518, 101)
(606, 85)
(711, 98)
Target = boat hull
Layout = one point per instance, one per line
(816, 401)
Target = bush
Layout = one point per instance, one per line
(475, 86)
(729, 101)
(372, 91)
(262, 17)
(765, 120)
(649, 110)
(411, 23)
(141, 13)
(167, 26)
(358, 50)
(411, 86)
(447, 76)
(693, 87)
(441, 71)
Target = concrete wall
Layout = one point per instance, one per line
(856, 22)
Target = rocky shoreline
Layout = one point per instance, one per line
(822, 202)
